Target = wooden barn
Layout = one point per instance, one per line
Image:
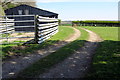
(27, 10)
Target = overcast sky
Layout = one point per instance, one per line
(82, 9)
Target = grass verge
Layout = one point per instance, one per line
(47, 62)
(106, 61)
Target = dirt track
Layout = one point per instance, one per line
(75, 66)
(18, 64)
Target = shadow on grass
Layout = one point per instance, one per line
(45, 63)
(10, 50)
(106, 61)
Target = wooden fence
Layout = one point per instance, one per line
(6, 26)
(43, 27)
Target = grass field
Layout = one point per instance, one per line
(17, 49)
(64, 32)
(106, 33)
(54, 58)
(66, 24)
(106, 61)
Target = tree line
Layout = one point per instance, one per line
(96, 23)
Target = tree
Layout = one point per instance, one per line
(59, 22)
(6, 4)
(28, 2)
(1, 10)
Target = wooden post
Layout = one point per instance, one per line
(36, 28)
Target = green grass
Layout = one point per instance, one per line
(84, 34)
(63, 32)
(4, 35)
(106, 61)
(20, 33)
(15, 49)
(106, 33)
(66, 24)
(54, 58)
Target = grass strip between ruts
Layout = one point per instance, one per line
(47, 62)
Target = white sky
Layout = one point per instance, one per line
(82, 10)
(70, 9)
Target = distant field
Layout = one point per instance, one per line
(106, 61)
(66, 24)
(107, 33)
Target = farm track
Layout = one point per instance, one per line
(13, 66)
(77, 65)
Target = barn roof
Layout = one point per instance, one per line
(42, 12)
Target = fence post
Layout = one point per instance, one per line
(36, 28)
(6, 28)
